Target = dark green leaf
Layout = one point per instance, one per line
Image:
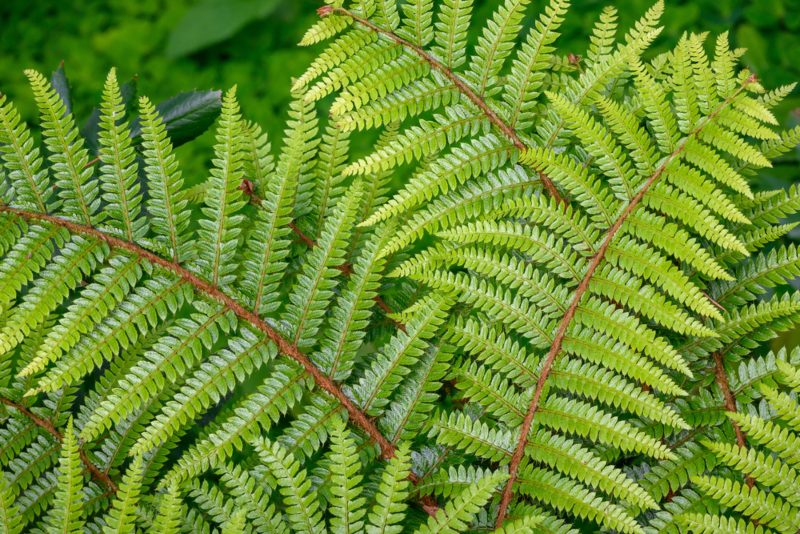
(186, 115)
(61, 85)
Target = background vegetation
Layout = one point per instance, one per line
(179, 45)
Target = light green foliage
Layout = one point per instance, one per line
(219, 228)
(302, 509)
(121, 192)
(120, 518)
(166, 200)
(68, 157)
(347, 504)
(769, 493)
(169, 512)
(350, 335)
(386, 514)
(66, 515)
(9, 514)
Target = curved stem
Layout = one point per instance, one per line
(310, 243)
(212, 291)
(462, 86)
(561, 331)
(730, 404)
(47, 426)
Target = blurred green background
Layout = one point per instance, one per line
(179, 45)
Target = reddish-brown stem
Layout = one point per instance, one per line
(462, 86)
(249, 190)
(346, 268)
(561, 331)
(730, 404)
(210, 290)
(47, 426)
(428, 504)
(303, 237)
(719, 306)
(92, 162)
(388, 311)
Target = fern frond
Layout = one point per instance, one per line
(9, 518)
(218, 236)
(387, 370)
(766, 508)
(389, 509)
(495, 43)
(344, 331)
(574, 273)
(526, 78)
(77, 258)
(66, 515)
(708, 524)
(69, 158)
(301, 507)
(317, 281)
(108, 287)
(458, 512)
(166, 360)
(562, 493)
(573, 460)
(137, 313)
(268, 243)
(166, 201)
(770, 471)
(474, 199)
(259, 410)
(169, 512)
(417, 396)
(424, 139)
(22, 160)
(206, 386)
(347, 506)
(120, 518)
(465, 161)
(118, 172)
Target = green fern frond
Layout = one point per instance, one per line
(167, 201)
(169, 512)
(206, 386)
(120, 519)
(766, 508)
(562, 493)
(389, 509)
(218, 237)
(259, 410)
(66, 514)
(22, 160)
(455, 516)
(317, 281)
(344, 331)
(68, 157)
(388, 368)
(707, 524)
(121, 191)
(347, 506)
(301, 507)
(9, 514)
(539, 301)
(108, 288)
(268, 242)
